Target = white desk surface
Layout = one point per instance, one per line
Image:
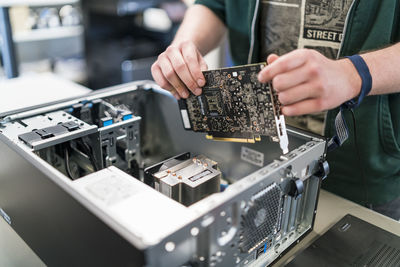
(31, 90)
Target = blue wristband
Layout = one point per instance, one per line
(366, 81)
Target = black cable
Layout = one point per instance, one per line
(88, 152)
(66, 161)
(86, 149)
(363, 176)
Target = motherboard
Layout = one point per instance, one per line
(236, 107)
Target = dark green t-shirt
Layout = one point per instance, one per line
(286, 25)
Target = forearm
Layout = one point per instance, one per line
(384, 68)
(202, 27)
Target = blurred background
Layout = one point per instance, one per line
(96, 43)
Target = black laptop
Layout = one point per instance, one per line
(352, 242)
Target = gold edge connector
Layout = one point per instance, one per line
(236, 140)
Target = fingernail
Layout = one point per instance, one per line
(197, 91)
(200, 82)
(260, 78)
(185, 94)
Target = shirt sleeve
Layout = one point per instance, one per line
(217, 6)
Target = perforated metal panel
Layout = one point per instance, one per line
(384, 256)
(261, 217)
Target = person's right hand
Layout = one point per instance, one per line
(180, 68)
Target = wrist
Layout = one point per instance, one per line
(177, 42)
(366, 80)
(353, 79)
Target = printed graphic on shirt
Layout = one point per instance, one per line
(324, 20)
(326, 51)
(286, 25)
(280, 23)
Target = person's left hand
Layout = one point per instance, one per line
(308, 82)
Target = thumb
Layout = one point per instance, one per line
(271, 58)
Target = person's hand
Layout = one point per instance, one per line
(180, 68)
(308, 82)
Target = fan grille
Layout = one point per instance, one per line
(260, 219)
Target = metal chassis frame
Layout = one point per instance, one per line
(130, 249)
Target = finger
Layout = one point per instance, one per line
(283, 64)
(181, 69)
(175, 94)
(159, 78)
(190, 56)
(271, 58)
(290, 79)
(169, 73)
(297, 94)
(162, 82)
(304, 107)
(203, 63)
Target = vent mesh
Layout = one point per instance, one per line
(260, 218)
(385, 256)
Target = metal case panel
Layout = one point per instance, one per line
(64, 227)
(53, 223)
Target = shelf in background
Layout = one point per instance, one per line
(48, 34)
(65, 47)
(10, 3)
(120, 7)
